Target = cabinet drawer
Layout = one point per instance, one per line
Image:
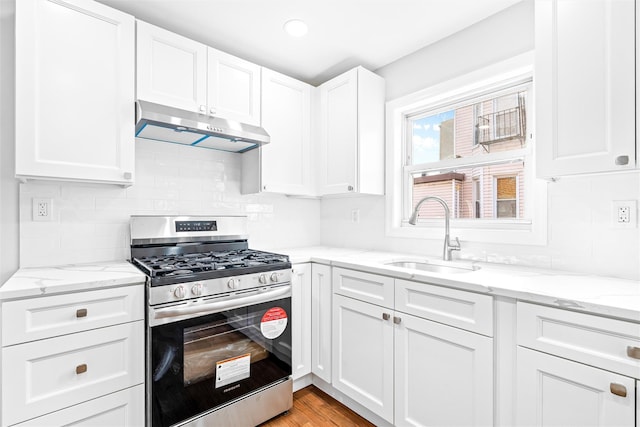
(124, 408)
(44, 376)
(609, 344)
(364, 286)
(45, 317)
(465, 310)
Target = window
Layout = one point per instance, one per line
(467, 141)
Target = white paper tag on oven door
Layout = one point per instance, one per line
(274, 322)
(231, 370)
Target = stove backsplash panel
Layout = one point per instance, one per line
(90, 222)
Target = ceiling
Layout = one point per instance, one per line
(342, 33)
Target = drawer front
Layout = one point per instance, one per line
(124, 408)
(47, 375)
(363, 286)
(609, 344)
(45, 317)
(465, 310)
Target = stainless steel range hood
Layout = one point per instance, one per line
(161, 123)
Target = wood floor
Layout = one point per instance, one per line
(312, 407)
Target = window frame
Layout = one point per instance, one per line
(502, 75)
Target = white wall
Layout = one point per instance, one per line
(580, 233)
(91, 220)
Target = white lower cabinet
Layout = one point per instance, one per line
(321, 321)
(74, 359)
(443, 375)
(362, 362)
(301, 326)
(409, 370)
(557, 392)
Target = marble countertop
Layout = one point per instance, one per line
(30, 282)
(619, 298)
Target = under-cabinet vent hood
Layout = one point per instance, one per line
(161, 123)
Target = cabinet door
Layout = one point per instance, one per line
(585, 86)
(339, 134)
(233, 87)
(557, 392)
(124, 409)
(74, 93)
(321, 321)
(172, 70)
(301, 326)
(286, 116)
(363, 354)
(443, 375)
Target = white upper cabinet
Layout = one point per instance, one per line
(283, 165)
(176, 71)
(585, 86)
(172, 70)
(352, 134)
(74, 93)
(233, 87)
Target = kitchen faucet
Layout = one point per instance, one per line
(448, 247)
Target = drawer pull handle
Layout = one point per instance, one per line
(386, 316)
(81, 369)
(633, 352)
(397, 320)
(618, 389)
(81, 313)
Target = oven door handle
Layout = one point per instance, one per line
(162, 315)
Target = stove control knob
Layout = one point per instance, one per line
(262, 279)
(274, 277)
(196, 289)
(231, 284)
(178, 292)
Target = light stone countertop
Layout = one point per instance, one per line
(31, 282)
(607, 296)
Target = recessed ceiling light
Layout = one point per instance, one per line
(295, 28)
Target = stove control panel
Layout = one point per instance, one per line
(196, 226)
(205, 288)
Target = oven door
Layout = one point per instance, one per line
(201, 362)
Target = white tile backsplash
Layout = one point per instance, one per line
(91, 220)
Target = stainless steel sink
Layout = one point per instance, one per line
(434, 268)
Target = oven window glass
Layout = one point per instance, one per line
(199, 364)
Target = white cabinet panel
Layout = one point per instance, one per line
(465, 310)
(74, 93)
(352, 134)
(585, 86)
(233, 87)
(558, 392)
(367, 287)
(51, 374)
(124, 409)
(46, 317)
(301, 326)
(321, 322)
(363, 354)
(443, 375)
(172, 70)
(594, 340)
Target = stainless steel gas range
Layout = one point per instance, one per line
(219, 325)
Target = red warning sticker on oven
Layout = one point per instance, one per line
(274, 322)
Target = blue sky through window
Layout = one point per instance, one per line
(426, 137)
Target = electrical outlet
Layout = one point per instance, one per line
(42, 209)
(624, 213)
(355, 216)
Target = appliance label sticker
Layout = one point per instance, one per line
(231, 370)
(274, 322)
